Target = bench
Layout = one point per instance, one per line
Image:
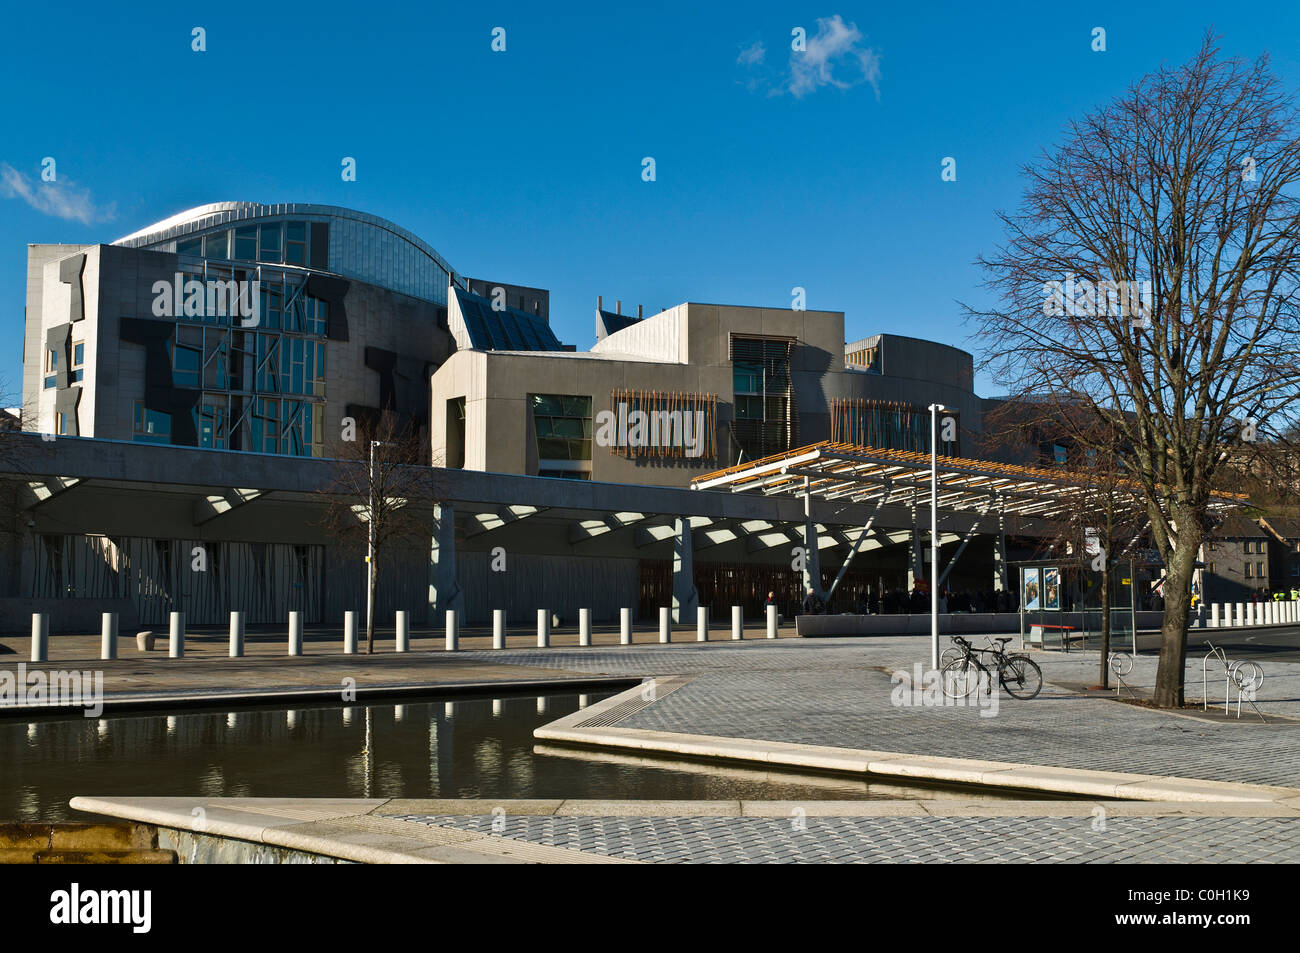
(1065, 633)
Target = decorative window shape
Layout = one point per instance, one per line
(78, 367)
(562, 423)
(187, 356)
(51, 367)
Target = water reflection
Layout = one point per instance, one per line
(467, 748)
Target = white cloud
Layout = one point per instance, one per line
(835, 47)
(60, 198)
(835, 56)
(753, 54)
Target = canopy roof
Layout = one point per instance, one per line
(834, 471)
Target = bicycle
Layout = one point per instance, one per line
(1018, 674)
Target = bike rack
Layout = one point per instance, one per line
(1121, 665)
(1234, 673)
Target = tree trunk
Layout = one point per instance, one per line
(1178, 600)
(370, 614)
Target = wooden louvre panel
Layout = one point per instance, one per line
(677, 405)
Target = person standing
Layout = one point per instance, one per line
(811, 604)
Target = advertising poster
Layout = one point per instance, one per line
(1051, 588)
(1029, 589)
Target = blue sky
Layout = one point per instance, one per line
(772, 170)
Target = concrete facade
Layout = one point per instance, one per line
(686, 349)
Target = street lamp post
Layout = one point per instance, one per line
(935, 410)
(370, 545)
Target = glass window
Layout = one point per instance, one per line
(270, 250)
(1247, 570)
(61, 423)
(748, 377)
(78, 361)
(246, 243)
(272, 302)
(187, 356)
(211, 416)
(190, 246)
(51, 367)
(563, 427)
(151, 426)
(295, 246)
(217, 245)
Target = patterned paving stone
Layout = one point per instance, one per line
(901, 840)
(840, 693)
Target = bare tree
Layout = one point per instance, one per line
(380, 496)
(1150, 277)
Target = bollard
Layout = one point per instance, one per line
(453, 631)
(1214, 615)
(498, 628)
(1250, 613)
(771, 622)
(403, 631)
(295, 632)
(40, 637)
(584, 627)
(108, 635)
(543, 628)
(176, 643)
(701, 624)
(236, 634)
(1241, 614)
(665, 624)
(624, 626)
(737, 624)
(349, 633)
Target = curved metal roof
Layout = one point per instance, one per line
(203, 217)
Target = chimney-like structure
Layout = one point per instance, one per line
(638, 312)
(600, 302)
(618, 307)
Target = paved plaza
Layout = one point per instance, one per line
(840, 694)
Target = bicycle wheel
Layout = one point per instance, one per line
(1021, 677)
(960, 677)
(950, 654)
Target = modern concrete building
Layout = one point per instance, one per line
(691, 389)
(193, 374)
(238, 326)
